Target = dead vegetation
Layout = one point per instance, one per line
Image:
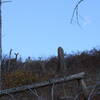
(37, 70)
(18, 73)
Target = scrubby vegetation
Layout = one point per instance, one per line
(15, 72)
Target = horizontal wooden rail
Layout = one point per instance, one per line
(44, 83)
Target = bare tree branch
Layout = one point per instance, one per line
(76, 12)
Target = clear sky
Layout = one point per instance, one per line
(38, 27)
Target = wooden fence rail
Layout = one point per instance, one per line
(78, 76)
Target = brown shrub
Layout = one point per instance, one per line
(18, 78)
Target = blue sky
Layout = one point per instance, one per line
(38, 27)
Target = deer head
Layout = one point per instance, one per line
(16, 55)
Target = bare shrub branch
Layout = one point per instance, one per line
(76, 12)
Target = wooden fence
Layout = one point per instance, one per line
(62, 66)
(79, 77)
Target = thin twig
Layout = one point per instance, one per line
(93, 92)
(34, 92)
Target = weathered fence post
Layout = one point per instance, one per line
(61, 61)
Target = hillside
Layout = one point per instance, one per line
(16, 73)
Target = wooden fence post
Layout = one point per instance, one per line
(61, 61)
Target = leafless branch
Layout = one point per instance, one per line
(94, 91)
(76, 12)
